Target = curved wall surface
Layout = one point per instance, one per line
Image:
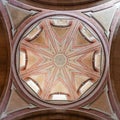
(59, 59)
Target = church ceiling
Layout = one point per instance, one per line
(58, 60)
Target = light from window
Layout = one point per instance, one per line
(86, 86)
(33, 85)
(59, 97)
(22, 59)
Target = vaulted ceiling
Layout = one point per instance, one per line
(59, 59)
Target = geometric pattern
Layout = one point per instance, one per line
(61, 59)
(29, 40)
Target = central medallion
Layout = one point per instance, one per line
(60, 60)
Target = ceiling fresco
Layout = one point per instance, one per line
(62, 57)
(59, 62)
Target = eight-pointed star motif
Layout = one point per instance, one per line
(60, 59)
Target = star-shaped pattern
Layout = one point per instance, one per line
(61, 58)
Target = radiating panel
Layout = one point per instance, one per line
(63, 58)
